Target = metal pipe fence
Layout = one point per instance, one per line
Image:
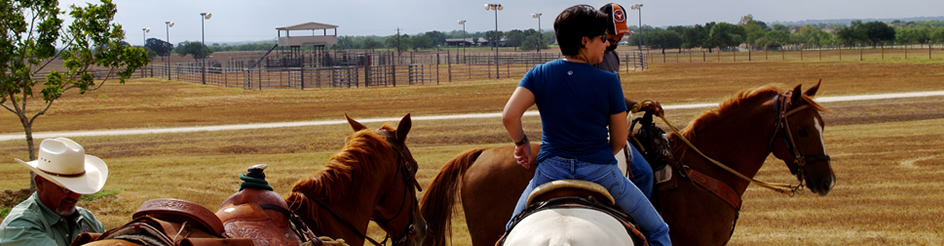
(370, 69)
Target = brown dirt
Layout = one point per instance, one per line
(10, 198)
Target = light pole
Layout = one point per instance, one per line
(639, 7)
(144, 34)
(204, 16)
(462, 22)
(540, 35)
(168, 24)
(496, 7)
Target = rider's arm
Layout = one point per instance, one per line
(619, 131)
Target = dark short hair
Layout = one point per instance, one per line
(577, 22)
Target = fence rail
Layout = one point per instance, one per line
(387, 69)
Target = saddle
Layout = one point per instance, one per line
(259, 213)
(255, 215)
(166, 221)
(575, 194)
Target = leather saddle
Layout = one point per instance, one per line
(575, 194)
(166, 221)
(258, 214)
(255, 215)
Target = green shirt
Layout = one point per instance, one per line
(32, 223)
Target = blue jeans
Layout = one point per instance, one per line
(627, 195)
(641, 171)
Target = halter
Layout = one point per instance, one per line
(783, 131)
(408, 178)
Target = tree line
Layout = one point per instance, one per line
(758, 35)
(748, 32)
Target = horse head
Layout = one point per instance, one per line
(798, 139)
(398, 210)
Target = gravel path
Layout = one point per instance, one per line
(42, 135)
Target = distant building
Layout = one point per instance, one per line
(458, 42)
(314, 28)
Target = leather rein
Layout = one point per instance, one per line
(782, 130)
(403, 169)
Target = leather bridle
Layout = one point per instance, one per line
(783, 132)
(404, 170)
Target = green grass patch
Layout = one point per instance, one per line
(98, 195)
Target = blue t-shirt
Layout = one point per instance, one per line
(575, 101)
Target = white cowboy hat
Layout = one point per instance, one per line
(65, 163)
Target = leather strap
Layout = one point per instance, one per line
(179, 211)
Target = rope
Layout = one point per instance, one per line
(325, 240)
(778, 187)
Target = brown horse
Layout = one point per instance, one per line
(372, 178)
(741, 133)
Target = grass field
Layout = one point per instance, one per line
(887, 155)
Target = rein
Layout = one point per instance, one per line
(778, 187)
(407, 177)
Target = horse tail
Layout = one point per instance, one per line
(438, 203)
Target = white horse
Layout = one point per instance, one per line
(569, 225)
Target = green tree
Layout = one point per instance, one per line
(493, 37)
(514, 38)
(161, 47)
(664, 39)
(32, 29)
(852, 34)
(937, 35)
(878, 32)
(694, 37)
(773, 39)
(753, 29)
(436, 37)
(725, 35)
(196, 49)
(811, 35)
(371, 43)
(422, 42)
(912, 35)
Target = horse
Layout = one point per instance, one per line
(700, 202)
(372, 178)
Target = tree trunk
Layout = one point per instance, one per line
(28, 130)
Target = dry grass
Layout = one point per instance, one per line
(887, 154)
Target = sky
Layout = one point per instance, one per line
(257, 20)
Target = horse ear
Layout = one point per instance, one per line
(796, 96)
(812, 90)
(405, 124)
(354, 124)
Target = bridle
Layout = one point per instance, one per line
(404, 170)
(783, 132)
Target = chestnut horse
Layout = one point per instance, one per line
(741, 133)
(372, 178)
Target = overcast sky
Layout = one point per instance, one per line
(256, 20)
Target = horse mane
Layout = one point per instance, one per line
(729, 106)
(337, 180)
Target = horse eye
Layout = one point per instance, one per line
(803, 133)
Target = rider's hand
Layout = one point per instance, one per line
(523, 155)
(654, 107)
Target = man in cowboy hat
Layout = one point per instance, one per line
(50, 215)
(639, 170)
